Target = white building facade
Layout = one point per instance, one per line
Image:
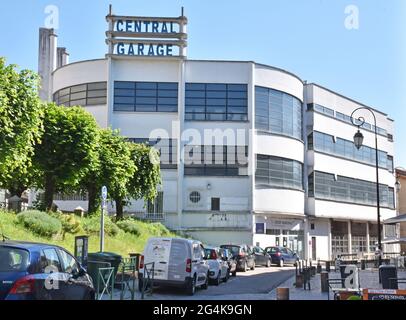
(249, 153)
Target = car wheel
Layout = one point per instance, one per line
(192, 287)
(206, 284)
(268, 263)
(281, 263)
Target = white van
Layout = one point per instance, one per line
(177, 262)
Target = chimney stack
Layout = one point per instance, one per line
(63, 57)
(47, 61)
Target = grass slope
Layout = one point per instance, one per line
(123, 244)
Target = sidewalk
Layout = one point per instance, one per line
(368, 279)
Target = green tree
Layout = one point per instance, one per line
(114, 168)
(67, 151)
(20, 124)
(146, 179)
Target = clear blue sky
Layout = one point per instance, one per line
(307, 38)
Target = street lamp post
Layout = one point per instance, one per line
(358, 140)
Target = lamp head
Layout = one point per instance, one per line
(358, 139)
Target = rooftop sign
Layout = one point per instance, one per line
(146, 36)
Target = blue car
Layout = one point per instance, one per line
(33, 271)
(282, 256)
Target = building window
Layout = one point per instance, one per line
(87, 94)
(312, 226)
(278, 172)
(366, 125)
(216, 160)
(273, 232)
(321, 109)
(215, 204)
(278, 112)
(157, 205)
(216, 102)
(310, 143)
(194, 197)
(346, 149)
(351, 190)
(390, 163)
(260, 228)
(71, 197)
(146, 96)
(310, 183)
(390, 137)
(167, 149)
(390, 230)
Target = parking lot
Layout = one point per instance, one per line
(250, 285)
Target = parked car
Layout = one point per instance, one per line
(177, 262)
(218, 268)
(282, 256)
(243, 254)
(262, 258)
(34, 271)
(227, 256)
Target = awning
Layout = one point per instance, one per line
(397, 219)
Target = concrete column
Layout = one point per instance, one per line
(62, 57)
(368, 251)
(349, 237)
(329, 253)
(46, 61)
(177, 133)
(251, 145)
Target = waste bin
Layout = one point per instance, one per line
(386, 273)
(100, 260)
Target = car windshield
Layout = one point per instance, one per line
(12, 259)
(272, 249)
(235, 250)
(210, 254)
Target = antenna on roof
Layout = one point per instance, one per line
(182, 11)
(110, 9)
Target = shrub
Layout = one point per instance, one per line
(40, 223)
(69, 222)
(92, 225)
(159, 229)
(129, 226)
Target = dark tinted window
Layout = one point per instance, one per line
(146, 96)
(278, 112)
(13, 260)
(215, 204)
(278, 172)
(84, 95)
(216, 102)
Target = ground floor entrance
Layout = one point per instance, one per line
(288, 233)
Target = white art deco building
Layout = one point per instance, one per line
(250, 153)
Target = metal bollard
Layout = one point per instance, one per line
(324, 281)
(282, 293)
(363, 264)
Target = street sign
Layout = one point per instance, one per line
(104, 193)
